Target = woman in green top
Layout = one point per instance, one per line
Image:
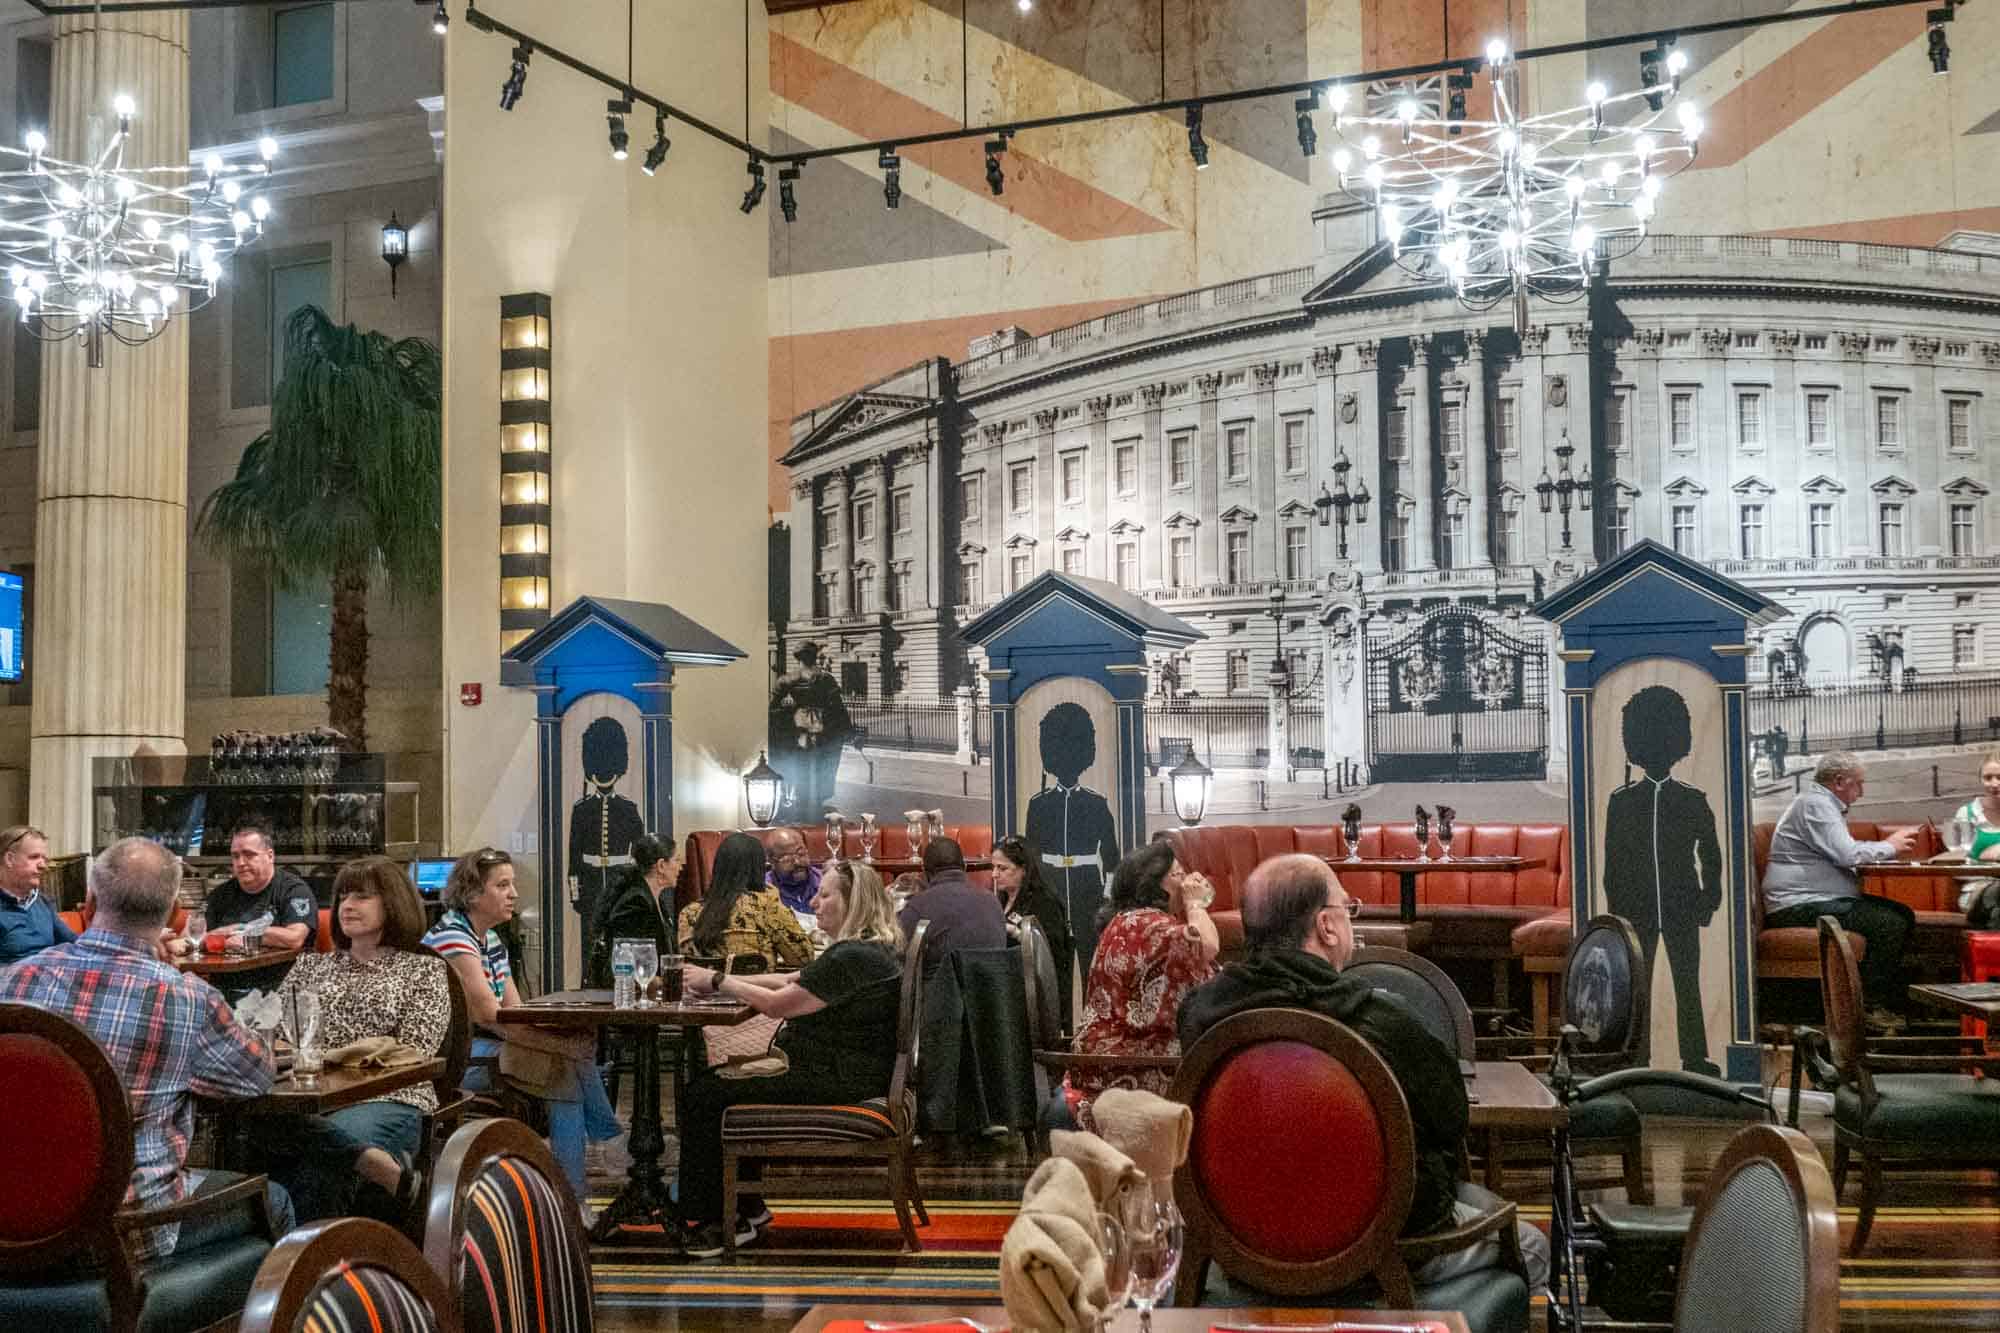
(839, 1041)
(1979, 899)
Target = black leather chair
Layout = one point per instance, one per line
(1422, 985)
(67, 1245)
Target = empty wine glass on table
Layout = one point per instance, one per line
(1117, 1266)
(836, 834)
(1153, 1235)
(870, 835)
(1958, 836)
(645, 966)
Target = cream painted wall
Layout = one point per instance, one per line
(659, 387)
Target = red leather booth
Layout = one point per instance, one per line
(1934, 946)
(975, 840)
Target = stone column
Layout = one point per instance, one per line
(1476, 449)
(1785, 443)
(1926, 446)
(1364, 541)
(1267, 558)
(1207, 472)
(1423, 483)
(1152, 489)
(994, 490)
(111, 516)
(1324, 446)
(1856, 445)
(1278, 708)
(839, 495)
(1043, 521)
(1097, 483)
(805, 547)
(1342, 638)
(1537, 541)
(963, 701)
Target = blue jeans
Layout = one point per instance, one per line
(587, 1114)
(314, 1156)
(205, 1230)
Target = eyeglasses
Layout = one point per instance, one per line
(1351, 906)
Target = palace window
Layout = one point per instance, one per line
(1507, 536)
(1298, 565)
(1888, 421)
(864, 592)
(1125, 462)
(1685, 519)
(1819, 529)
(1019, 571)
(1399, 433)
(1819, 420)
(1964, 646)
(1750, 531)
(1180, 562)
(1295, 444)
(899, 589)
(1072, 561)
(823, 529)
(1958, 422)
(1396, 540)
(1618, 525)
(1457, 554)
(971, 513)
(1750, 420)
(1021, 487)
(1889, 525)
(1180, 459)
(899, 521)
(1508, 419)
(1617, 427)
(1128, 566)
(864, 520)
(1452, 420)
(1964, 517)
(1072, 477)
(1239, 672)
(1236, 557)
(1236, 454)
(971, 582)
(1680, 416)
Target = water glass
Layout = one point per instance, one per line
(1958, 836)
(1117, 1264)
(1154, 1234)
(307, 1058)
(645, 966)
(195, 928)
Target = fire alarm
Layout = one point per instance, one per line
(469, 694)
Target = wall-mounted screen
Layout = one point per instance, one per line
(430, 876)
(13, 648)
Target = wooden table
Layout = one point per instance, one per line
(643, 1201)
(1931, 869)
(1409, 936)
(1197, 1320)
(1975, 999)
(336, 1086)
(1508, 1101)
(219, 964)
(888, 867)
(1407, 868)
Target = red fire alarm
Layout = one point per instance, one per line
(469, 693)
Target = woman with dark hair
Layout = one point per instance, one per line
(379, 981)
(1024, 892)
(639, 906)
(741, 913)
(1155, 944)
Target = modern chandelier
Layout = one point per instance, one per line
(1517, 205)
(99, 249)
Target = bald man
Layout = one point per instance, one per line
(1298, 924)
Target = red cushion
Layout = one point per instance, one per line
(40, 1085)
(323, 939)
(1288, 1151)
(1982, 955)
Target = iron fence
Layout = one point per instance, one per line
(1814, 717)
(925, 725)
(1223, 733)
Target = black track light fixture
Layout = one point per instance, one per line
(1456, 87)
(440, 20)
(1939, 46)
(1197, 146)
(996, 179)
(788, 203)
(1308, 137)
(517, 77)
(657, 154)
(755, 194)
(615, 112)
(892, 177)
(1651, 63)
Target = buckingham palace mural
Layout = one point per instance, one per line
(1355, 486)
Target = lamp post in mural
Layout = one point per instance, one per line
(1557, 493)
(1189, 780)
(1336, 502)
(1278, 702)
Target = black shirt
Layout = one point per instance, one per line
(1426, 1071)
(961, 917)
(290, 902)
(1049, 915)
(629, 912)
(853, 1039)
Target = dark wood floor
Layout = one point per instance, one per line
(1933, 1261)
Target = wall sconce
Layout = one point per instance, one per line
(1190, 783)
(763, 787)
(395, 248)
(525, 499)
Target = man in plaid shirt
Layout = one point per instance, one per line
(170, 1036)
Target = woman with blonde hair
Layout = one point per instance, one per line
(838, 1042)
(1979, 899)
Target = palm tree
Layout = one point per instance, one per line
(344, 486)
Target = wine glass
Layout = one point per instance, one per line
(1117, 1265)
(645, 966)
(1153, 1233)
(913, 832)
(1423, 830)
(1444, 839)
(1350, 828)
(1958, 836)
(836, 833)
(870, 835)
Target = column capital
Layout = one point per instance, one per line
(1716, 342)
(1535, 339)
(1784, 342)
(838, 480)
(1266, 373)
(994, 432)
(1991, 353)
(1925, 350)
(1578, 335)
(918, 451)
(1421, 347)
(1475, 344)
(1046, 418)
(1209, 383)
(1367, 350)
(870, 471)
(1854, 345)
(802, 488)
(1648, 342)
(1152, 395)
(1326, 359)
(1099, 407)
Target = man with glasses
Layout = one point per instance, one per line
(28, 921)
(792, 872)
(1298, 924)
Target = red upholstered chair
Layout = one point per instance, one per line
(78, 919)
(351, 1273)
(1300, 1173)
(65, 1240)
(323, 938)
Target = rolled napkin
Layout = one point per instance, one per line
(376, 1053)
(1107, 1171)
(1051, 1262)
(1152, 1131)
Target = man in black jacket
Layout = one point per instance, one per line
(1299, 927)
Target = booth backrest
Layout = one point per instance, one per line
(78, 919)
(1227, 853)
(975, 840)
(1925, 893)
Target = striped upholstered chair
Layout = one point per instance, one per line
(504, 1234)
(882, 1129)
(352, 1273)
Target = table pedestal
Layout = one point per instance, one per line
(643, 1201)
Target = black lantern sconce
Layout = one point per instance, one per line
(1189, 780)
(1279, 677)
(395, 248)
(763, 789)
(1558, 492)
(1338, 501)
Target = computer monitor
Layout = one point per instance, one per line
(430, 876)
(12, 648)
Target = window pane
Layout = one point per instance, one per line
(1817, 405)
(1239, 452)
(1295, 554)
(1238, 558)
(299, 625)
(1181, 447)
(1128, 565)
(1684, 529)
(1072, 478)
(1961, 423)
(1017, 572)
(1295, 445)
(1399, 432)
(1072, 560)
(1888, 421)
(1682, 405)
(1614, 420)
(1749, 425)
(293, 286)
(302, 55)
(1020, 486)
(1128, 468)
(1454, 429)
(1510, 440)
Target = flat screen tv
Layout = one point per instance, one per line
(430, 876)
(13, 649)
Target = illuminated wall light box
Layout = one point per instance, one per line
(525, 421)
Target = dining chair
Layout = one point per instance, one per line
(1764, 1253)
(504, 1235)
(1422, 986)
(880, 1129)
(66, 1241)
(349, 1273)
(1266, 1201)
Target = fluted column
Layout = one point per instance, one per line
(111, 518)
(1476, 449)
(839, 494)
(804, 547)
(1152, 490)
(1423, 485)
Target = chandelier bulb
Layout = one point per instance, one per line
(1677, 63)
(1574, 186)
(1406, 110)
(35, 141)
(1342, 160)
(150, 229)
(1496, 52)
(168, 295)
(260, 208)
(212, 164)
(240, 220)
(124, 106)
(1371, 146)
(57, 230)
(1595, 93)
(231, 191)
(267, 148)
(1336, 97)
(1608, 174)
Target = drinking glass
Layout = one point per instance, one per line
(1153, 1233)
(913, 832)
(1423, 827)
(195, 928)
(1958, 836)
(307, 1059)
(1351, 829)
(670, 977)
(933, 826)
(645, 966)
(1444, 840)
(836, 830)
(1117, 1265)
(870, 835)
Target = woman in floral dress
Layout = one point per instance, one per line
(1155, 945)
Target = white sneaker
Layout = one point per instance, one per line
(588, 1214)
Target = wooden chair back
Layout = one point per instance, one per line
(1607, 996)
(1422, 985)
(907, 1078)
(1763, 1255)
(457, 1050)
(350, 1273)
(503, 1231)
(1261, 1190)
(1840, 987)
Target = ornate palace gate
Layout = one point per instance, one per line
(1457, 699)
